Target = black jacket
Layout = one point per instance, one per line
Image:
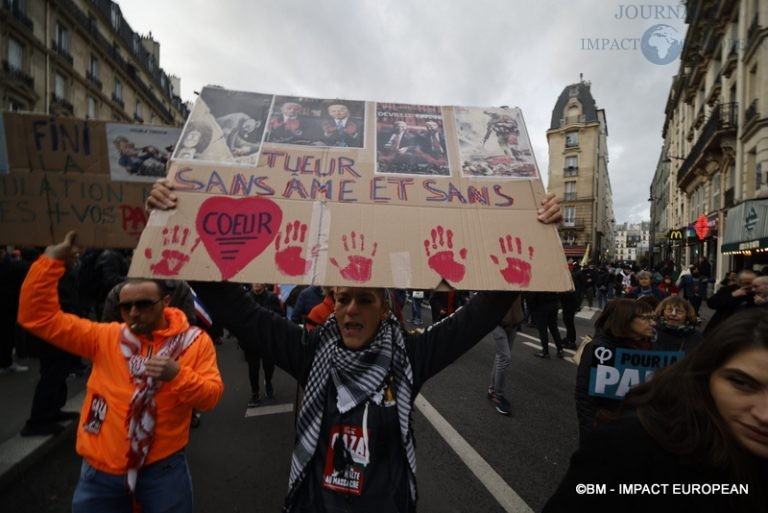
(622, 453)
(676, 339)
(292, 349)
(726, 305)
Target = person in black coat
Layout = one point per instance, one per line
(699, 423)
(731, 298)
(543, 307)
(255, 358)
(624, 323)
(569, 302)
(676, 326)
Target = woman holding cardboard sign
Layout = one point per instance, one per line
(361, 373)
(693, 438)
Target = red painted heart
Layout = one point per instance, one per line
(237, 230)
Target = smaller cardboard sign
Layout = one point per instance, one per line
(615, 370)
(139, 153)
(59, 179)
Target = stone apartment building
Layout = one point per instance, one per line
(578, 173)
(632, 242)
(709, 193)
(81, 58)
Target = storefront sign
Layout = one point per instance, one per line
(702, 227)
(675, 235)
(746, 227)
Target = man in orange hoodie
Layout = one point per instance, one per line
(149, 373)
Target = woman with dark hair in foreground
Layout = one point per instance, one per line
(693, 438)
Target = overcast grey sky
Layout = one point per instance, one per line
(449, 52)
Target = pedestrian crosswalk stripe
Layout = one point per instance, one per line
(269, 410)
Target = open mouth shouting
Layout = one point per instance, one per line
(359, 311)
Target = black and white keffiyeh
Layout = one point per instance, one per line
(359, 376)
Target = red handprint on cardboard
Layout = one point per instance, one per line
(359, 267)
(443, 262)
(173, 256)
(289, 260)
(517, 271)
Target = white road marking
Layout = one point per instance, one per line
(501, 491)
(537, 345)
(269, 410)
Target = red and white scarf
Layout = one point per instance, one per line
(142, 410)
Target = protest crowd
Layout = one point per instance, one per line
(149, 346)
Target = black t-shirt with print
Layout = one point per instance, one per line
(346, 463)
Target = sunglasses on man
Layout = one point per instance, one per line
(140, 304)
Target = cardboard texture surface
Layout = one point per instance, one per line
(300, 190)
(59, 179)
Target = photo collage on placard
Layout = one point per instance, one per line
(231, 126)
(225, 126)
(315, 122)
(410, 139)
(493, 142)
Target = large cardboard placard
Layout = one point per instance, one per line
(66, 174)
(281, 189)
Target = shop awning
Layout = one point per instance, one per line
(575, 251)
(746, 228)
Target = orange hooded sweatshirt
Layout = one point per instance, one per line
(102, 436)
(320, 313)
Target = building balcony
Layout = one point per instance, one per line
(94, 80)
(18, 15)
(60, 105)
(117, 100)
(719, 128)
(572, 196)
(573, 224)
(572, 120)
(62, 52)
(571, 171)
(14, 74)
